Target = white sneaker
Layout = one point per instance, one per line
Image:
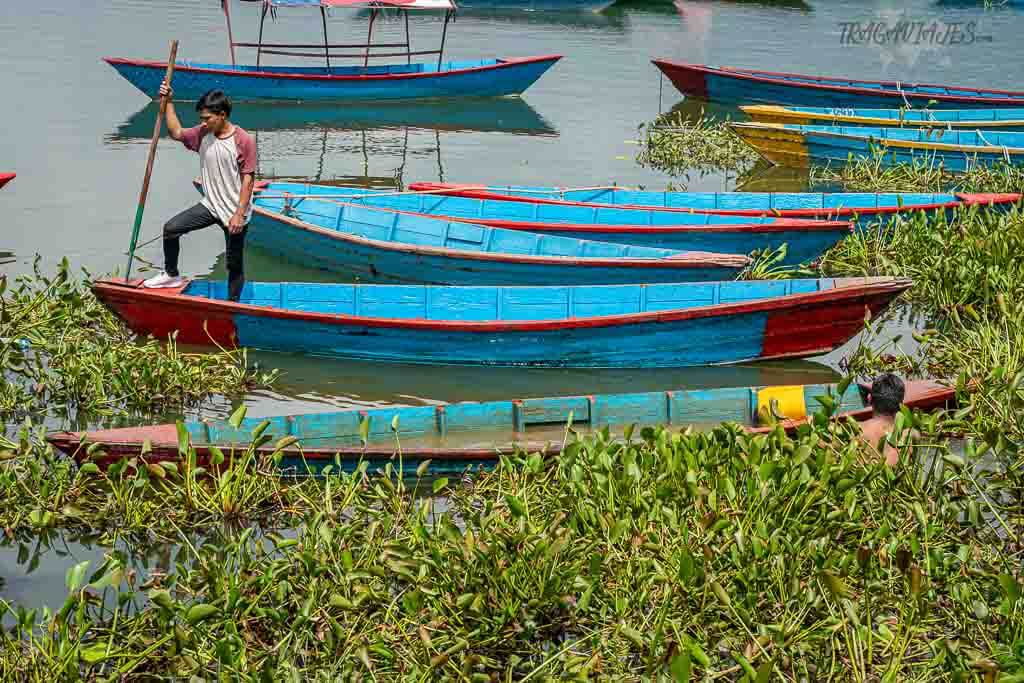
(164, 280)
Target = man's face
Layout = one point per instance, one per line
(211, 121)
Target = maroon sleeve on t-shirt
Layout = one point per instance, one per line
(246, 146)
(192, 137)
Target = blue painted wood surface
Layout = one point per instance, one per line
(676, 343)
(680, 407)
(837, 143)
(554, 220)
(393, 255)
(512, 79)
(802, 92)
(738, 201)
(1010, 119)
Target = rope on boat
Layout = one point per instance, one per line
(1006, 150)
(899, 88)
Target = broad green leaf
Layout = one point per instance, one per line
(75, 575)
(200, 612)
(236, 417)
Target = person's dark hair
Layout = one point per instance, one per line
(887, 394)
(214, 101)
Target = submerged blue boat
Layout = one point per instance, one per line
(381, 245)
(630, 326)
(334, 82)
(792, 145)
(1009, 120)
(336, 438)
(857, 207)
(640, 226)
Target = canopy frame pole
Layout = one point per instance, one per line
(259, 44)
(225, 5)
(369, 36)
(444, 34)
(327, 51)
(408, 42)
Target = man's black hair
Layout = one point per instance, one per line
(887, 393)
(215, 102)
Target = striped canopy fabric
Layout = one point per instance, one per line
(404, 4)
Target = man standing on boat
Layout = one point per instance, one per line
(227, 160)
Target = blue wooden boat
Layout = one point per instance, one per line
(336, 439)
(654, 325)
(790, 145)
(749, 86)
(381, 245)
(334, 82)
(640, 226)
(1008, 120)
(857, 207)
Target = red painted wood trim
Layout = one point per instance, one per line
(502, 64)
(779, 225)
(164, 302)
(112, 451)
(779, 78)
(966, 199)
(682, 260)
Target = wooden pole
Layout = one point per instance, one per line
(149, 162)
(369, 36)
(327, 51)
(231, 37)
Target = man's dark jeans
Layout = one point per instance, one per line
(197, 218)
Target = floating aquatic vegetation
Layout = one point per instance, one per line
(960, 264)
(719, 555)
(677, 145)
(922, 175)
(62, 350)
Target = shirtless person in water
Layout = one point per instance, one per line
(885, 397)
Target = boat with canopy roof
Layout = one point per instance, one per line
(361, 81)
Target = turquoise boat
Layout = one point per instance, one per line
(336, 439)
(379, 245)
(635, 226)
(1009, 120)
(956, 150)
(857, 207)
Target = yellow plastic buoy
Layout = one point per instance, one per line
(786, 402)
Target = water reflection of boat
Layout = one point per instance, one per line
(767, 177)
(504, 115)
(769, 4)
(382, 131)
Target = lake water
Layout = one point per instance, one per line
(77, 136)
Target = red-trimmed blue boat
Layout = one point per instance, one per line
(6, 178)
(857, 207)
(393, 246)
(639, 226)
(956, 150)
(659, 325)
(328, 438)
(403, 81)
(748, 86)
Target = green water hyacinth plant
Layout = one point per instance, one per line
(675, 144)
(874, 174)
(658, 555)
(62, 351)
